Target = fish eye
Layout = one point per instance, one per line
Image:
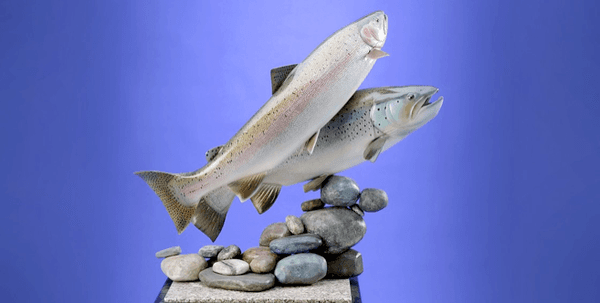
(411, 97)
(377, 20)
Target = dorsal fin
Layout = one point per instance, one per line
(246, 187)
(374, 149)
(212, 153)
(315, 183)
(278, 75)
(265, 196)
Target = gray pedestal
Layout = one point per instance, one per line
(328, 290)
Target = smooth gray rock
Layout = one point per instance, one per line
(357, 210)
(246, 282)
(229, 252)
(294, 224)
(339, 227)
(312, 205)
(263, 264)
(295, 244)
(168, 252)
(183, 267)
(231, 267)
(301, 269)
(272, 232)
(340, 191)
(346, 265)
(210, 251)
(255, 252)
(372, 200)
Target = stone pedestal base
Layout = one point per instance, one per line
(328, 290)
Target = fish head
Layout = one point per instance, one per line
(373, 29)
(400, 110)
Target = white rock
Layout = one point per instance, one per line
(231, 267)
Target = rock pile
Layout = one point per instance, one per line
(298, 251)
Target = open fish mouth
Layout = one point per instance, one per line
(428, 101)
(425, 103)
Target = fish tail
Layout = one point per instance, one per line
(160, 183)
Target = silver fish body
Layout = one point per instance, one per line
(311, 94)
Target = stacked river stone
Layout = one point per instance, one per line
(300, 251)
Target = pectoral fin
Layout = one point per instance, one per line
(265, 196)
(278, 75)
(376, 54)
(212, 153)
(374, 149)
(246, 187)
(312, 142)
(315, 184)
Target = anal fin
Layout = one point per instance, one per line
(374, 149)
(246, 187)
(312, 142)
(315, 184)
(265, 197)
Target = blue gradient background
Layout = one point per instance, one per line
(495, 200)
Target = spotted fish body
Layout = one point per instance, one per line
(312, 93)
(371, 122)
(373, 115)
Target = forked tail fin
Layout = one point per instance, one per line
(159, 182)
(208, 215)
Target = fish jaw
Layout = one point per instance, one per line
(373, 29)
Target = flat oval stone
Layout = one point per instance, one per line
(272, 232)
(168, 252)
(183, 267)
(339, 227)
(345, 265)
(340, 191)
(295, 244)
(246, 282)
(231, 267)
(255, 252)
(312, 205)
(210, 251)
(372, 200)
(229, 252)
(294, 224)
(301, 269)
(263, 264)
